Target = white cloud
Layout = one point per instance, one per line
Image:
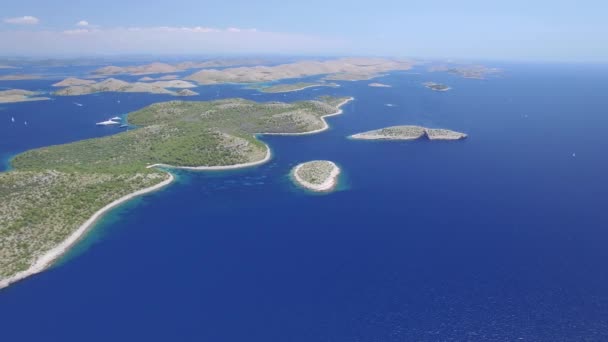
(163, 40)
(82, 23)
(25, 20)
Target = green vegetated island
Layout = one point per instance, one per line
(75, 86)
(290, 87)
(54, 194)
(317, 175)
(409, 133)
(20, 95)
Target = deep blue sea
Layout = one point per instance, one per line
(500, 237)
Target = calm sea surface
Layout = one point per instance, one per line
(501, 237)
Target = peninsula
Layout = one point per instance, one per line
(409, 133)
(20, 95)
(115, 85)
(286, 88)
(436, 86)
(53, 195)
(317, 175)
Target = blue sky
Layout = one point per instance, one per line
(538, 30)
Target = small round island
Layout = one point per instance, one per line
(317, 175)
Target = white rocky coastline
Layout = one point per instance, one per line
(409, 133)
(317, 175)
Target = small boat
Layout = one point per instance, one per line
(107, 123)
(78, 104)
(13, 119)
(117, 101)
(116, 118)
(123, 126)
(25, 123)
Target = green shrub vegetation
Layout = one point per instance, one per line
(51, 191)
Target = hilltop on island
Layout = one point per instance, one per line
(409, 133)
(19, 95)
(317, 175)
(285, 88)
(344, 69)
(436, 86)
(71, 81)
(115, 85)
(54, 194)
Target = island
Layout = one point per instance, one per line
(343, 69)
(409, 133)
(152, 68)
(186, 92)
(115, 85)
(290, 87)
(479, 72)
(379, 85)
(436, 86)
(53, 195)
(161, 78)
(20, 95)
(19, 77)
(164, 68)
(317, 175)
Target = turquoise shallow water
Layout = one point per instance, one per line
(500, 237)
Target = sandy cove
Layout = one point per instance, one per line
(329, 184)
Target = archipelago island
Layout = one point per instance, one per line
(409, 133)
(55, 194)
(436, 86)
(317, 175)
(20, 95)
(74, 86)
(290, 87)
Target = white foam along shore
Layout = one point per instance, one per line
(325, 125)
(327, 185)
(48, 258)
